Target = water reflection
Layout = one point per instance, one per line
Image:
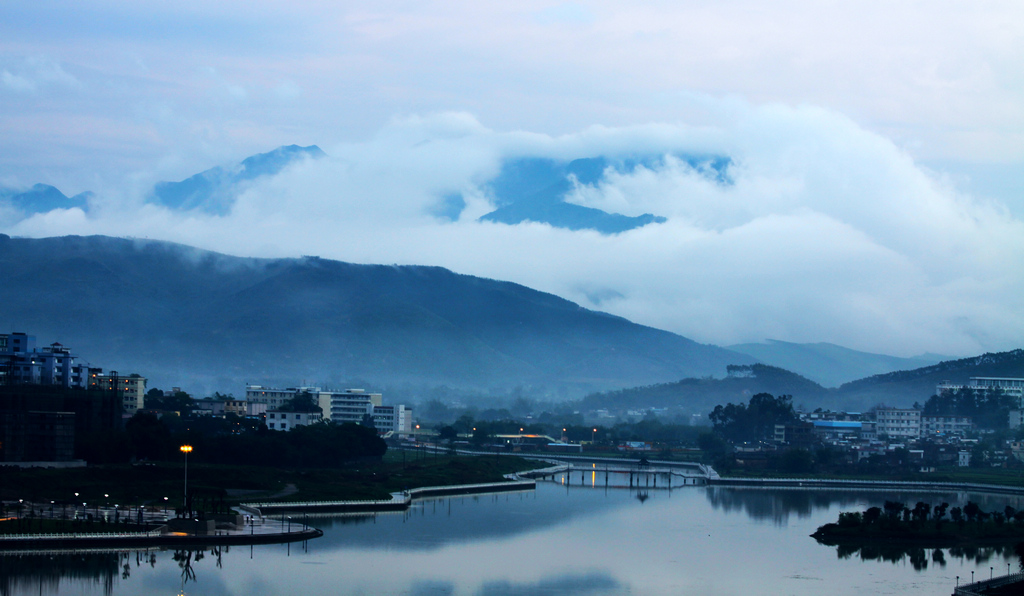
(437, 523)
(556, 540)
(44, 572)
(591, 583)
(919, 558)
(778, 504)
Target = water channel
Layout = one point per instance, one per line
(571, 535)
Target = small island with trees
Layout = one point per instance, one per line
(926, 526)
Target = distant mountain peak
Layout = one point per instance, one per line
(534, 189)
(43, 198)
(215, 190)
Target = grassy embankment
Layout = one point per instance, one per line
(228, 485)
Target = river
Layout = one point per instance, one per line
(560, 539)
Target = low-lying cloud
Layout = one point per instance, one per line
(824, 231)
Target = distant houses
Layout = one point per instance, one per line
(23, 363)
(48, 398)
(350, 405)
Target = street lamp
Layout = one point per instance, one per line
(592, 434)
(186, 449)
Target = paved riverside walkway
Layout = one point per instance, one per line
(990, 586)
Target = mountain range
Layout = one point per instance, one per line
(188, 317)
(899, 388)
(524, 190)
(184, 316)
(828, 364)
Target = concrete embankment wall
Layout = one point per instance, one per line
(865, 484)
(149, 539)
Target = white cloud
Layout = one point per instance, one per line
(828, 232)
(30, 74)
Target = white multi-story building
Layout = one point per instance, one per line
(898, 423)
(278, 420)
(945, 425)
(1011, 386)
(275, 398)
(1008, 385)
(350, 405)
(397, 419)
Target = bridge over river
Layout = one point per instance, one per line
(622, 473)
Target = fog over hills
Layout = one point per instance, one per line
(829, 364)
(900, 388)
(189, 317)
(907, 386)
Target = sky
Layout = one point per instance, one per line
(877, 149)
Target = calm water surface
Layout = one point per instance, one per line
(557, 540)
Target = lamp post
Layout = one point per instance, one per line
(592, 435)
(186, 449)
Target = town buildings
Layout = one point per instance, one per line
(350, 405)
(278, 420)
(898, 423)
(1011, 386)
(131, 389)
(22, 363)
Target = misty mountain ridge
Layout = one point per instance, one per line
(701, 395)
(895, 389)
(214, 191)
(42, 198)
(829, 364)
(525, 189)
(908, 386)
(188, 317)
(535, 189)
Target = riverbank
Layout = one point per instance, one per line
(270, 530)
(397, 502)
(262, 531)
(159, 484)
(865, 484)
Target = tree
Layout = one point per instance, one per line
(972, 511)
(304, 401)
(447, 433)
(796, 461)
(755, 421)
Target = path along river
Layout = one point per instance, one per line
(561, 539)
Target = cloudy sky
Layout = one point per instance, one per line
(877, 178)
